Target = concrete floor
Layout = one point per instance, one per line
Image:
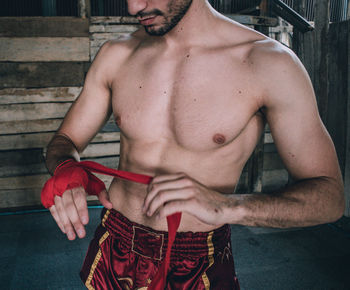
(35, 255)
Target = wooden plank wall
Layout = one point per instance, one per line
(36, 89)
(43, 62)
(32, 116)
(35, 51)
(337, 117)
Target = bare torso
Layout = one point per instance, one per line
(193, 110)
(190, 102)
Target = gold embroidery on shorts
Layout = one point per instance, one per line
(96, 260)
(210, 248)
(103, 238)
(105, 217)
(210, 258)
(206, 281)
(129, 282)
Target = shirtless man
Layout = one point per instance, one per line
(190, 91)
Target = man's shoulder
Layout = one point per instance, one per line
(272, 53)
(278, 72)
(268, 62)
(271, 59)
(120, 48)
(253, 45)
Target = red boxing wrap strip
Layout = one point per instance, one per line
(71, 174)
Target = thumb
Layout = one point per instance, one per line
(104, 199)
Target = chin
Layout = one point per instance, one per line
(155, 32)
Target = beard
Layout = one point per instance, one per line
(175, 12)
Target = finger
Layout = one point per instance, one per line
(64, 218)
(104, 199)
(167, 196)
(79, 198)
(165, 177)
(185, 205)
(56, 217)
(178, 183)
(72, 212)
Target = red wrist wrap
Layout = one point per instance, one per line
(70, 174)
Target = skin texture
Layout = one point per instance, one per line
(191, 106)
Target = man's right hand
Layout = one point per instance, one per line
(71, 213)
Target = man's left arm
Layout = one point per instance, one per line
(304, 145)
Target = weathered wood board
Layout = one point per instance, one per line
(44, 27)
(42, 74)
(97, 28)
(20, 95)
(22, 112)
(44, 125)
(28, 49)
(40, 140)
(35, 165)
(106, 20)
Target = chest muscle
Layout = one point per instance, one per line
(197, 104)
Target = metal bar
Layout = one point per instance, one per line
(254, 20)
(287, 13)
(84, 9)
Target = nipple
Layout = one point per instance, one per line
(219, 139)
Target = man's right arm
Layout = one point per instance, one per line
(82, 122)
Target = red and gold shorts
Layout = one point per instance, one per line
(126, 255)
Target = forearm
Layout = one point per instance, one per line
(306, 203)
(60, 148)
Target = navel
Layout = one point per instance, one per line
(219, 139)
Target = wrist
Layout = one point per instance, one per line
(60, 148)
(234, 211)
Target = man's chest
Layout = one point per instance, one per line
(198, 104)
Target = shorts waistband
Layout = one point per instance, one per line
(152, 243)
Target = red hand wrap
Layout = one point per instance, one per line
(70, 174)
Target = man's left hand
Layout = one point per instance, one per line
(172, 193)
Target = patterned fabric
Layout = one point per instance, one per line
(126, 255)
